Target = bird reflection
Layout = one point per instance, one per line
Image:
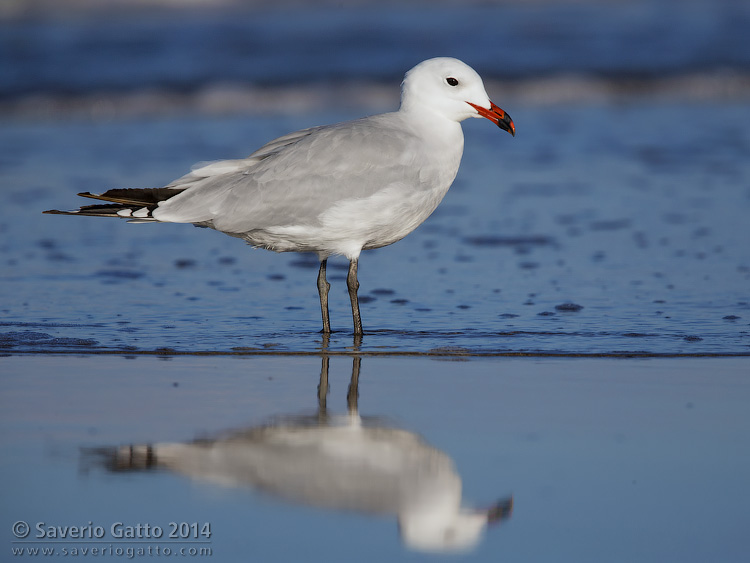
(342, 462)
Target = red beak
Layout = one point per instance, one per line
(497, 116)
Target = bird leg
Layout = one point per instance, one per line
(323, 287)
(353, 285)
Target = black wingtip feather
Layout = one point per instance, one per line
(143, 197)
(100, 210)
(121, 199)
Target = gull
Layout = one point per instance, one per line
(332, 190)
(336, 462)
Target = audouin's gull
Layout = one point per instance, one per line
(333, 190)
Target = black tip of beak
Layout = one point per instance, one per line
(500, 511)
(506, 124)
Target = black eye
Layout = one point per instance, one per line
(451, 81)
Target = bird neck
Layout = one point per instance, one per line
(433, 125)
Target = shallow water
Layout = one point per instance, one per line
(598, 229)
(605, 460)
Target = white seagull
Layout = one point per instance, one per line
(333, 190)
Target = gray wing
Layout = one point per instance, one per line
(204, 170)
(295, 178)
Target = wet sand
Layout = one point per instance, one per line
(635, 460)
(583, 235)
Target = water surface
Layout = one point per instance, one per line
(616, 460)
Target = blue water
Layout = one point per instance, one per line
(81, 53)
